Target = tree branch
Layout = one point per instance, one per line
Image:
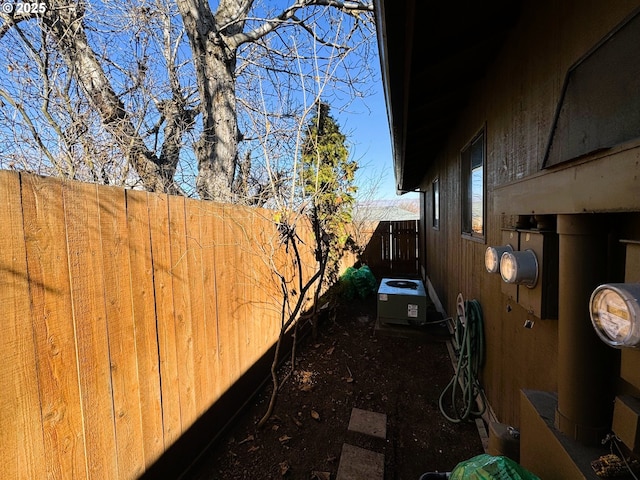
(288, 14)
(65, 25)
(32, 128)
(11, 21)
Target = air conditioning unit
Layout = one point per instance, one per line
(402, 302)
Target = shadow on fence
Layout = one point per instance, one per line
(184, 453)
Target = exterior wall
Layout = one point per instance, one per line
(515, 103)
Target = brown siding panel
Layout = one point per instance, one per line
(516, 101)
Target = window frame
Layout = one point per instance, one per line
(435, 204)
(474, 150)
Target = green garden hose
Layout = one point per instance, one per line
(464, 387)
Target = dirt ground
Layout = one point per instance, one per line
(350, 364)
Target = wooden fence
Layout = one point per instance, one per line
(391, 247)
(125, 315)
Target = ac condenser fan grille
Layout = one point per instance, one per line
(402, 284)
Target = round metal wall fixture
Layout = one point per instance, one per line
(520, 268)
(615, 314)
(492, 257)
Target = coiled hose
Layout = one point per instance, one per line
(464, 388)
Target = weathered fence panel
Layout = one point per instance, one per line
(166, 332)
(193, 262)
(126, 315)
(84, 244)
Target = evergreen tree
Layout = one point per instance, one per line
(329, 176)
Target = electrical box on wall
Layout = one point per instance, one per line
(529, 269)
(626, 421)
(542, 298)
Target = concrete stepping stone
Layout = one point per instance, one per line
(358, 464)
(369, 423)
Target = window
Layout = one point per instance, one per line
(472, 185)
(435, 204)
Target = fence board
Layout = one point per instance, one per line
(163, 286)
(263, 280)
(20, 423)
(52, 318)
(264, 310)
(180, 277)
(121, 333)
(194, 257)
(226, 275)
(240, 264)
(253, 323)
(82, 215)
(208, 223)
(224, 304)
(144, 313)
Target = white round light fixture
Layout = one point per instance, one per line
(520, 268)
(492, 257)
(615, 313)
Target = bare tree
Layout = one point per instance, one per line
(88, 110)
(309, 184)
(139, 91)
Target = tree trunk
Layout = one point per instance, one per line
(217, 149)
(215, 63)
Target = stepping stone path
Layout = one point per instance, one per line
(369, 423)
(358, 463)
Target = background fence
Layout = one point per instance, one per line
(125, 315)
(391, 247)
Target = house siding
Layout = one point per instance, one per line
(515, 103)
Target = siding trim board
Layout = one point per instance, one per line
(583, 187)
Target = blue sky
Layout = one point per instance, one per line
(369, 134)
(365, 125)
(368, 129)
